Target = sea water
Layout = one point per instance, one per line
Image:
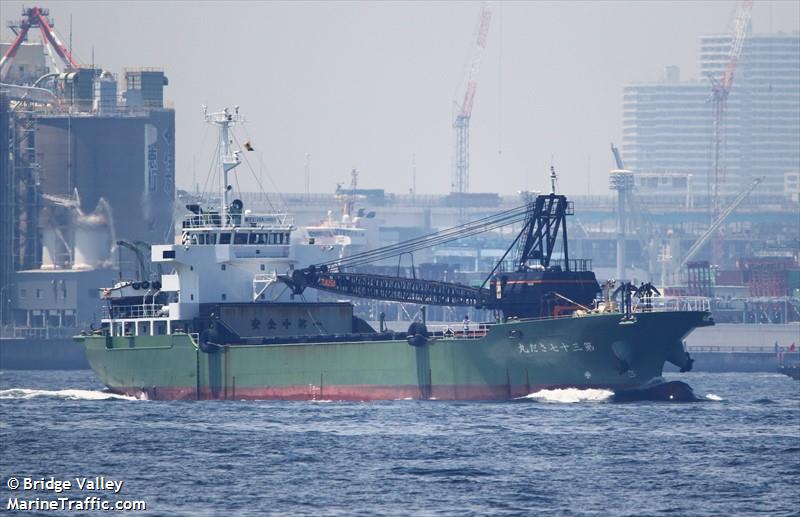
(558, 452)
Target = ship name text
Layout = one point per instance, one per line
(560, 347)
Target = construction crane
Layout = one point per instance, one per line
(718, 222)
(720, 89)
(461, 122)
(36, 17)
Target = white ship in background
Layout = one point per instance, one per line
(354, 232)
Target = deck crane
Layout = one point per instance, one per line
(461, 122)
(720, 90)
(542, 281)
(36, 17)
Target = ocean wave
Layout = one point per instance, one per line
(570, 395)
(24, 393)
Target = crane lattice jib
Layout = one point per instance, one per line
(51, 37)
(390, 288)
(36, 17)
(739, 33)
(475, 63)
(714, 226)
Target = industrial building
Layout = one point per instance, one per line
(92, 163)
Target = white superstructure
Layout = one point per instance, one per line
(226, 255)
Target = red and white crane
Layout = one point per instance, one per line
(720, 89)
(461, 122)
(37, 17)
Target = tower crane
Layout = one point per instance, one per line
(461, 122)
(720, 89)
(36, 17)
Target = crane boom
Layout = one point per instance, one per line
(36, 17)
(538, 285)
(718, 222)
(475, 62)
(739, 33)
(461, 122)
(720, 89)
(389, 288)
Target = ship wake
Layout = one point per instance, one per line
(658, 390)
(25, 393)
(569, 395)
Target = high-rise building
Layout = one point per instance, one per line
(668, 127)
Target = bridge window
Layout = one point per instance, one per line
(225, 238)
(259, 238)
(240, 238)
(211, 238)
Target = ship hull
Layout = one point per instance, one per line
(512, 360)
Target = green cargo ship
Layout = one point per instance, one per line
(237, 317)
(510, 360)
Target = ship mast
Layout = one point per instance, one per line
(228, 159)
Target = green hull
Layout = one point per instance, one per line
(512, 360)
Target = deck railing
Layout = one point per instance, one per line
(148, 310)
(674, 303)
(744, 349)
(41, 332)
(457, 331)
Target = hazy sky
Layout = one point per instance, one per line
(371, 84)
